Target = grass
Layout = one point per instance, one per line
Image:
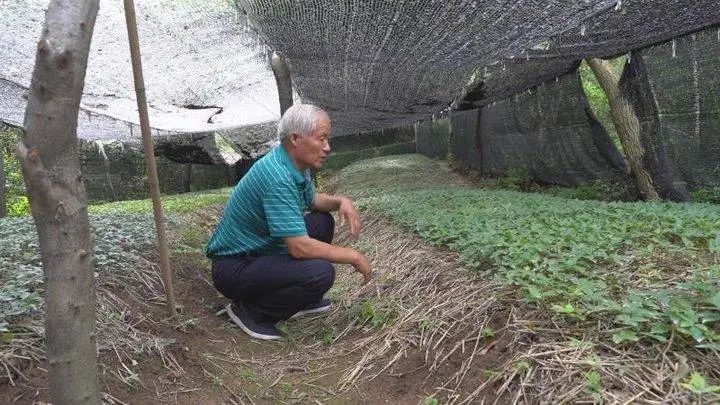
(180, 203)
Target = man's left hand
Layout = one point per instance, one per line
(348, 213)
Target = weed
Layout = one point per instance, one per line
(375, 313)
(698, 384)
(593, 382)
(580, 344)
(217, 381)
(491, 374)
(429, 325)
(522, 367)
(326, 333)
(431, 400)
(247, 374)
(284, 328)
(286, 388)
(567, 309)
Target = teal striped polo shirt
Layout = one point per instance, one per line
(266, 205)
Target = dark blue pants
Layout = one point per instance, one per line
(274, 287)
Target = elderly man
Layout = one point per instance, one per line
(269, 257)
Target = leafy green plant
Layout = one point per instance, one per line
(247, 374)
(374, 313)
(119, 240)
(593, 382)
(584, 260)
(625, 336)
(699, 385)
(326, 333)
(431, 400)
(522, 367)
(429, 324)
(567, 309)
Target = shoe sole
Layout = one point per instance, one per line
(247, 330)
(313, 311)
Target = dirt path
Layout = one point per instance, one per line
(389, 342)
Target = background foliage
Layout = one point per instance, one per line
(598, 99)
(17, 202)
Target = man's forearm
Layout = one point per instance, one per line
(327, 203)
(303, 247)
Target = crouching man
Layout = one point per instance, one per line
(270, 258)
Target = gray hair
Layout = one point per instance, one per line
(299, 119)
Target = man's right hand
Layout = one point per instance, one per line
(362, 266)
(305, 247)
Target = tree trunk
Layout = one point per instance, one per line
(626, 124)
(282, 79)
(55, 188)
(187, 178)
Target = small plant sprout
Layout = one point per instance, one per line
(431, 400)
(593, 382)
(522, 366)
(491, 374)
(699, 385)
(428, 325)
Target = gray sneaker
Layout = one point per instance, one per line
(263, 331)
(319, 307)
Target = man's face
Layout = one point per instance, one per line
(314, 148)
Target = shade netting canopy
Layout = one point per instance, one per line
(370, 63)
(204, 69)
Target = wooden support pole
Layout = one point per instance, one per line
(148, 145)
(284, 84)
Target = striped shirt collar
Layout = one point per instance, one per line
(297, 175)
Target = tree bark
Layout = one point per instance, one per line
(283, 81)
(626, 124)
(55, 188)
(187, 178)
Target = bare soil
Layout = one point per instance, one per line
(213, 362)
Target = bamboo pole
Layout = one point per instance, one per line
(167, 276)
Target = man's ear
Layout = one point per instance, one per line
(294, 139)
